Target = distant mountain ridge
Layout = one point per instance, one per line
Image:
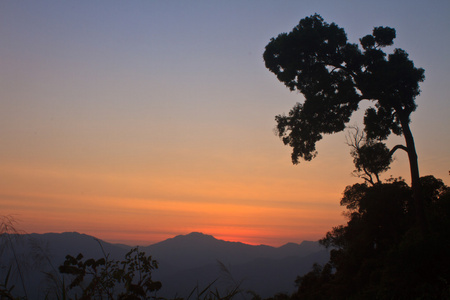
(202, 248)
(184, 261)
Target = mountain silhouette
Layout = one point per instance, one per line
(185, 261)
(263, 269)
(198, 248)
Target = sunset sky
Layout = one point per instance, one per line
(135, 121)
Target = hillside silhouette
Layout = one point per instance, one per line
(185, 261)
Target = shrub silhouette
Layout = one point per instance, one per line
(103, 278)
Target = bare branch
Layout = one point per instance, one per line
(355, 139)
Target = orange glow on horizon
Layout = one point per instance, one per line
(257, 212)
(128, 220)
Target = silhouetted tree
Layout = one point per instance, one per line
(334, 76)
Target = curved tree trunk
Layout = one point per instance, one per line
(415, 177)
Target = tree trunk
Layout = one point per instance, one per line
(415, 177)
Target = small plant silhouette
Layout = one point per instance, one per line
(110, 279)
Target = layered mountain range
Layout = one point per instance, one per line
(185, 262)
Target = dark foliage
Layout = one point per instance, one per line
(380, 253)
(129, 279)
(370, 157)
(334, 75)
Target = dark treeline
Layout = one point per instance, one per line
(381, 253)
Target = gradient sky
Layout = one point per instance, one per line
(135, 121)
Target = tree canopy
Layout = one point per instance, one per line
(334, 76)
